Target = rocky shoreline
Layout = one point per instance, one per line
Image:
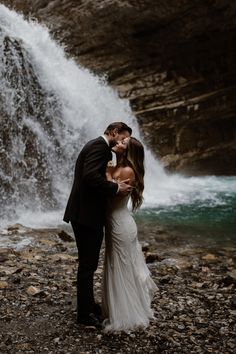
(195, 306)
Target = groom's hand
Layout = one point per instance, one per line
(123, 187)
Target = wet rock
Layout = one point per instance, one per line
(63, 257)
(184, 264)
(18, 228)
(233, 302)
(169, 262)
(232, 274)
(164, 280)
(64, 236)
(3, 284)
(14, 227)
(229, 279)
(4, 254)
(49, 243)
(151, 257)
(33, 290)
(209, 258)
(3, 257)
(145, 246)
(10, 270)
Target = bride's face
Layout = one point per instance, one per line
(121, 146)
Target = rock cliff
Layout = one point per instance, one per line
(174, 61)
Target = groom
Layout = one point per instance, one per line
(86, 211)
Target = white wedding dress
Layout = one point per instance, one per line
(127, 285)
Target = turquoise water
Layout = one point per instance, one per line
(204, 223)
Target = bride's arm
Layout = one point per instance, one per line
(127, 173)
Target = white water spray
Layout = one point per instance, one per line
(74, 106)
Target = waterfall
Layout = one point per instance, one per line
(50, 106)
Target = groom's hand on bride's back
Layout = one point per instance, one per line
(123, 187)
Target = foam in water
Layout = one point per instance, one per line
(74, 106)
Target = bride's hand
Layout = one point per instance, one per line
(110, 163)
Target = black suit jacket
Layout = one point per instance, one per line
(88, 197)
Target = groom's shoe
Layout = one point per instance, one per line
(97, 310)
(89, 320)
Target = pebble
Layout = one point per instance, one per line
(32, 290)
(3, 284)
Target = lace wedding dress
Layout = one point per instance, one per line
(127, 285)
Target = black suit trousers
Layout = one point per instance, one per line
(89, 243)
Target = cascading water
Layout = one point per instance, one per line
(50, 106)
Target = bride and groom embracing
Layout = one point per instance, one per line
(99, 198)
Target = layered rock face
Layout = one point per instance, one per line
(24, 105)
(174, 61)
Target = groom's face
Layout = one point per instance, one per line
(119, 137)
(121, 146)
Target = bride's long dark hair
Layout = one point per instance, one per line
(135, 159)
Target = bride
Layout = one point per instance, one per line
(127, 285)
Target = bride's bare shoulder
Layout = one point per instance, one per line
(125, 173)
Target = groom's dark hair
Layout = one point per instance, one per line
(120, 126)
